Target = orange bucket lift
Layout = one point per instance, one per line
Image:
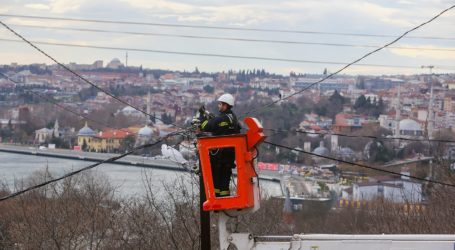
(247, 195)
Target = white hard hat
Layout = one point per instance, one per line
(227, 98)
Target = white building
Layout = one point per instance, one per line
(41, 135)
(114, 64)
(392, 189)
(410, 128)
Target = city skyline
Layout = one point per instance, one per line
(365, 17)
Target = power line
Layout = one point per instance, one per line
(355, 61)
(218, 27)
(214, 55)
(76, 74)
(54, 102)
(238, 39)
(362, 165)
(10, 196)
(362, 136)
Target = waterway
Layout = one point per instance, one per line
(128, 180)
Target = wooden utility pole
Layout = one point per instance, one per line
(204, 216)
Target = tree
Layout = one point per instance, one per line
(209, 89)
(167, 118)
(361, 82)
(360, 103)
(84, 145)
(127, 144)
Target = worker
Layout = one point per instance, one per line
(222, 160)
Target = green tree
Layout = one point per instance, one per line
(84, 145)
(360, 103)
(127, 144)
(167, 118)
(209, 89)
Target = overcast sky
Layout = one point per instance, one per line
(382, 17)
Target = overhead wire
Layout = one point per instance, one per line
(362, 165)
(54, 102)
(112, 159)
(63, 107)
(213, 27)
(361, 136)
(237, 39)
(220, 55)
(353, 62)
(77, 74)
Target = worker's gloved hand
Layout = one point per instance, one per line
(205, 114)
(202, 113)
(202, 109)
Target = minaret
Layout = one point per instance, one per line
(334, 143)
(56, 129)
(430, 115)
(398, 112)
(126, 59)
(147, 117)
(430, 125)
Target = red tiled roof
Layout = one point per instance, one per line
(114, 134)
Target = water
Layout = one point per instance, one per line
(128, 180)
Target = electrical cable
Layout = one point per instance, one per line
(112, 159)
(54, 102)
(362, 165)
(237, 39)
(355, 61)
(76, 74)
(362, 136)
(216, 27)
(222, 55)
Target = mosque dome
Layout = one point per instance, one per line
(86, 131)
(145, 131)
(128, 109)
(115, 60)
(410, 125)
(346, 151)
(321, 150)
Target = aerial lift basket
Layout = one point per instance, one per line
(247, 195)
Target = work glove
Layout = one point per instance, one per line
(204, 114)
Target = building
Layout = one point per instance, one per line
(387, 122)
(393, 189)
(10, 123)
(341, 85)
(106, 141)
(109, 140)
(43, 135)
(410, 128)
(316, 122)
(114, 64)
(345, 122)
(85, 138)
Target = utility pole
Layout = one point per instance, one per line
(204, 216)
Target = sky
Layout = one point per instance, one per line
(381, 17)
